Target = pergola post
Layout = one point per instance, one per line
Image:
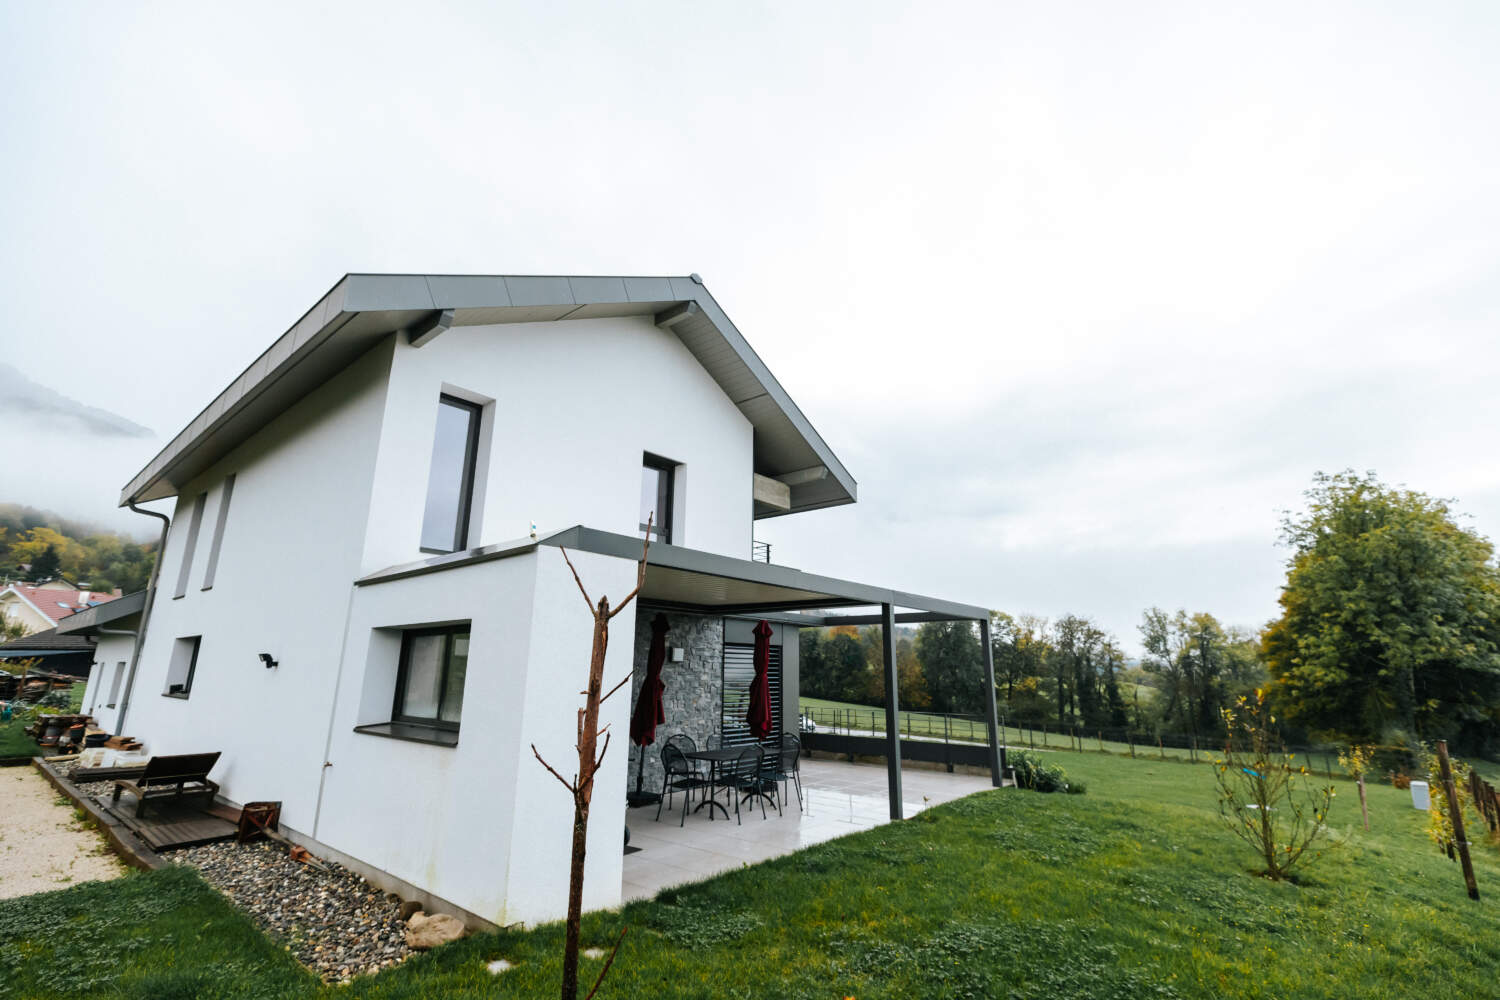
(997, 770)
(892, 710)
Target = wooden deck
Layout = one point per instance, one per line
(170, 824)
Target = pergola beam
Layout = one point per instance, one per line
(997, 765)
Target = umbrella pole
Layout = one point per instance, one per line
(640, 797)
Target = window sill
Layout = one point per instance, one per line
(430, 735)
(179, 695)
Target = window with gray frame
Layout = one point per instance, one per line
(450, 478)
(114, 687)
(183, 665)
(218, 542)
(658, 478)
(430, 679)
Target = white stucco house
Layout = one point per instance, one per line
(360, 600)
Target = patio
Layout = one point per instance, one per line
(840, 798)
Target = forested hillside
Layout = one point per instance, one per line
(37, 545)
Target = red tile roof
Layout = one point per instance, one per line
(59, 604)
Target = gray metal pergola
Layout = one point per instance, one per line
(706, 583)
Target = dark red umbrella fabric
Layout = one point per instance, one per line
(758, 718)
(648, 711)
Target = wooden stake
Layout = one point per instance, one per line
(1458, 819)
(1364, 809)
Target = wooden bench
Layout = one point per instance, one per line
(171, 777)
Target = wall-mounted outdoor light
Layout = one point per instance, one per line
(266, 659)
(677, 654)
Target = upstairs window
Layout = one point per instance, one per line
(450, 480)
(430, 680)
(658, 476)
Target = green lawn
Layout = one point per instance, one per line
(14, 742)
(1132, 890)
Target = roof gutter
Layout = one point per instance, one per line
(140, 634)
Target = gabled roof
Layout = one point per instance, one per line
(55, 605)
(363, 308)
(45, 643)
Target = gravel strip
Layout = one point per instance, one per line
(335, 922)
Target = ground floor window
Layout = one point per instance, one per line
(430, 679)
(739, 671)
(183, 666)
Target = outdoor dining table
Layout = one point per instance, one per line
(714, 758)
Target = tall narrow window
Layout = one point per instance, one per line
(114, 687)
(430, 680)
(192, 543)
(450, 480)
(219, 522)
(657, 475)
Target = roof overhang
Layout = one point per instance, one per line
(707, 583)
(121, 613)
(362, 309)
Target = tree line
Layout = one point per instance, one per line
(37, 546)
(1389, 633)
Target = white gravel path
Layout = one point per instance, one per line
(42, 845)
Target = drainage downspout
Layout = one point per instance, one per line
(140, 636)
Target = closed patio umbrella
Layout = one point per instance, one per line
(758, 718)
(648, 709)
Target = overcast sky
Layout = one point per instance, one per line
(1081, 297)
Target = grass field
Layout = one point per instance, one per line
(14, 742)
(1132, 890)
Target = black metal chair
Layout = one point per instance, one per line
(678, 775)
(684, 742)
(744, 777)
(785, 765)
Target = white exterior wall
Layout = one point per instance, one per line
(482, 825)
(109, 652)
(575, 404)
(290, 554)
(335, 488)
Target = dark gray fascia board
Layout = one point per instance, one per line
(607, 543)
(361, 309)
(712, 564)
(452, 560)
(86, 621)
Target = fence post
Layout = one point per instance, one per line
(1130, 738)
(1101, 741)
(1044, 734)
(1161, 746)
(1193, 750)
(1458, 819)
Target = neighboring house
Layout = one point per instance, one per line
(52, 651)
(41, 607)
(361, 601)
(110, 630)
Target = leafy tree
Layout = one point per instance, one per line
(1390, 618)
(45, 564)
(951, 659)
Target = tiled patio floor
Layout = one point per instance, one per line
(840, 798)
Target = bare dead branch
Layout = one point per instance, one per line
(607, 963)
(600, 761)
(640, 574)
(566, 784)
(586, 599)
(613, 689)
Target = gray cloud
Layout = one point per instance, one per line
(23, 398)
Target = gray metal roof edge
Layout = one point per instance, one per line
(697, 561)
(103, 614)
(328, 312)
(741, 346)
(452, 560)
(357, 292)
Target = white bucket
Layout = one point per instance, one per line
(1419, 797)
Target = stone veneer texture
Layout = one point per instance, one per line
(694, 687)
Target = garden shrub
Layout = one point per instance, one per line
(1031, 772)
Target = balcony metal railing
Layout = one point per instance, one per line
(760, 551)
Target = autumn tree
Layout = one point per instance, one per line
(1390, 618)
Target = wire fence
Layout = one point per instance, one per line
(861, 720)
